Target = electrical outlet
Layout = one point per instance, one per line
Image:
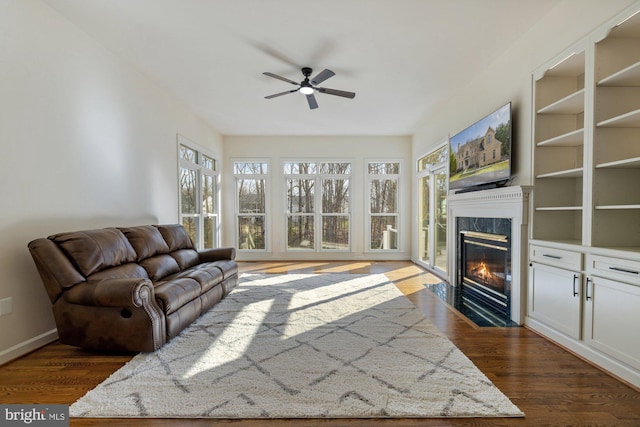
(6, 306)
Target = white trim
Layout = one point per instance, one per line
(28, 346)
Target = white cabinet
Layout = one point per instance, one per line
(612, 317)
(594, 310)
(554, 298)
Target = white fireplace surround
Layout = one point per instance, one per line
(507, 202)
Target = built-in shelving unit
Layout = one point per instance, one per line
(616, 140)
(584, 255)
(559, 135)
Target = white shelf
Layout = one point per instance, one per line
(569, 173)
(571, 139)
(621, 164)
(629, 76)
(627, 120)
(617, 207)
(571, 104)
(571, 66)
(559, 208)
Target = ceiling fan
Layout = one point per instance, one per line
(309, 87)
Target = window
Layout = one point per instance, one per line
(383, 205)
(198, 186)
(432, 187)
(251, 209)
(318, 213)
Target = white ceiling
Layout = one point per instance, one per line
(401, 57)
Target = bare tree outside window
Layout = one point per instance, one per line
(383, 205)
(332, 218)
(198, 196)
(335, 201)
(251, 196)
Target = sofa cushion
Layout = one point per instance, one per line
(160, 266)
(94, 250)
(227, 267)
(173, 294)
(176, 236)
(124, 271)
(146, 241)
(206, 275)
(186, 258)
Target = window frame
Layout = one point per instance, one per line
(265, 215)
(318, 213)
(369, 178)
(200, 169)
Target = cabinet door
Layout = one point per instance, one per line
(555, 298)
(612, 316)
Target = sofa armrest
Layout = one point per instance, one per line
(111, 314)
(130, 292)
(218, 254)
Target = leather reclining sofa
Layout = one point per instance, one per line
(130, 289)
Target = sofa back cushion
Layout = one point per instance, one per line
(186, 258)
(160, 266)
(176, 236)
(91, 251)
(124, 271)
(146, 241)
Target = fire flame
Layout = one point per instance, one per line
(482, 271)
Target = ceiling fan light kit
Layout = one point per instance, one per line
(309, 87)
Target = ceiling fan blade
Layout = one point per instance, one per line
(311, 99)
(284, 79)
(336, 92)
(322, 76)
(280, 94)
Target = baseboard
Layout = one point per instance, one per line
(603, 362)
(28, 346)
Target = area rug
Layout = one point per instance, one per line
(303, 346)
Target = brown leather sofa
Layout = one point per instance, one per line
(130, 289)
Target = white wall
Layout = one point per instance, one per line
(358, 150)
(509, 79)
(86, 142)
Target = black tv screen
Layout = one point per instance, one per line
(481, 153)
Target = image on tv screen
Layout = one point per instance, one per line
(481, 153)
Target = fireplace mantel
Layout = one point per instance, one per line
(506, 202)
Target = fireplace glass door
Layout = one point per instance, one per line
(486, 268)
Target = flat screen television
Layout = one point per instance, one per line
(481, 154)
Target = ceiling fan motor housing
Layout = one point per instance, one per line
(307, 87)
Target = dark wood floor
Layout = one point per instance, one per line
(552, 386)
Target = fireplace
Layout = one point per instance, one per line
(502, 211)
(485, 270)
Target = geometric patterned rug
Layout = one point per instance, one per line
(302, 346)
